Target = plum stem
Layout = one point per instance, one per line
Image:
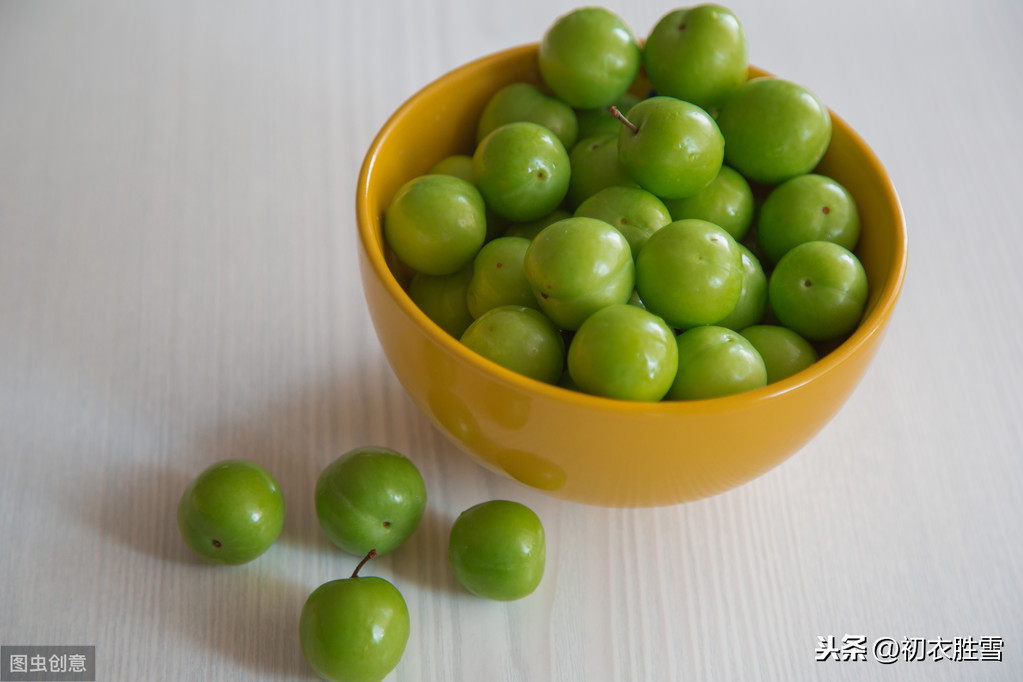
(372, 553)
(617, 113)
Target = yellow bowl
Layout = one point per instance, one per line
(585, 448)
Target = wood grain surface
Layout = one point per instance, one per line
(178, 284)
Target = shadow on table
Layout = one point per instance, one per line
(294, 435)
(255, 622)
(423, 559)
(137, 505)
(248, 614)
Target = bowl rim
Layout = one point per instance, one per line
(872, 324)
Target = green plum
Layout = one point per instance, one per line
(443, 299)
(498, 277)
(727, 202)
(522, 171)
(354, 629)
(623, 352)
(784, 351)
(497, 550)
(589, 57)
(633, 211)
(714, 362)
(577, 266)
(690, 272)
(807, 208)
(595, 165)
(698, 54)
(370, 498)
(520, 339)
(670, 147)
(752, 305)
(531, 228)
(600, 121)
(459, 165)
(774, 130)
(232, 512)
(435, 224)
(818, 290)
(525, 102)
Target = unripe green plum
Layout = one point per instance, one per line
(497, 550)
(577, 266)
(623, 352)
(714, 362)
(596, 165)
(807, 208)
(443, 299)
(670, 147)
(633, 211)
(752, 303)
(818, 290)
(698, 54)
(370, 498)
(774, 130)
(520, 339)
(354, 629)
(727, 202)
(784, 351)
(435, 224)
(690, 272)
(522, 171)
(232, 512)
(589, 57)
(498, 277)
(459, 165)
(525, 102)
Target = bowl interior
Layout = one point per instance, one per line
(571, 444)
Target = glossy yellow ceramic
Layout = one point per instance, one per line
(585, 448)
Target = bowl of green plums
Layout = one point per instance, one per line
(627, 272)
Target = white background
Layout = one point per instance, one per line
(178, 285)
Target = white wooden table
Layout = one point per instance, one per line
(178, 284)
